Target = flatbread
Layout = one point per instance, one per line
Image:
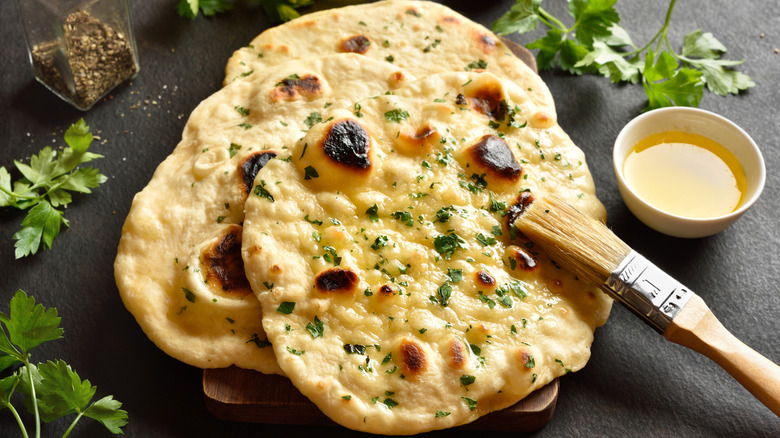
(178, 266)
(422, 37)
(396, 294)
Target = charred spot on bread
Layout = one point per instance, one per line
(493, 155)
(293, 87)
(458, 355)
(524, 200)
(485, 279)
(413, 360)
(486, 95)
(417, 141)
(386, 290)
(355, 44)
(336, 280)
(250, 165)
(522, 259)
(223, 263)
(485, 42)
(347, 143)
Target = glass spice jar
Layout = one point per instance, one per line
(80, 49)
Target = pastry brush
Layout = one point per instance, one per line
(586, 247)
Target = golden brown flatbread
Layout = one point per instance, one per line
(395, 292)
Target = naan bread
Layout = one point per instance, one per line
(422, 37)
(178, 267)
(395, 292)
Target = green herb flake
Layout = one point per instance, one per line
(467, 380)
(379, 242)
(455, 275)
(440, 414)
(443, 294)
(471, 403)
(286, 307)
(295, 352)
(241, 110)
(373, 213)
(485, 240)
(313, 119)
(233, 149)
(396, 116)
(310, 173)
(355, 349)
(316, 329)
(476, 65)
(390, 403)
(404, 217)
(312, 221)
(188, 295)
(447, 244)
(262, 192)
(260, 343)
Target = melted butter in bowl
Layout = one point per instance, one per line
(687, 172)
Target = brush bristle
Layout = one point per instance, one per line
(578, 242)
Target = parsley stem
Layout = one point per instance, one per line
(660, 36)
(72, 425)
(34, 399)
(18, 419)
(551, 21)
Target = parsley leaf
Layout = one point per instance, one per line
(45, 184)
(666, 85)
(596, 43)
(701, 51)
(51, 390)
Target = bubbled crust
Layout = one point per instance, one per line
(445, 296)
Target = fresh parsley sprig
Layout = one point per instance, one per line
(47, 183)
(276, 10)
(596, 43)
(49, 390)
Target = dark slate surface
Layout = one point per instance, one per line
(636, 384)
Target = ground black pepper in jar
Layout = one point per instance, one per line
(88, 55)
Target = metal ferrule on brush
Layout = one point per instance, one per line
(647, 290)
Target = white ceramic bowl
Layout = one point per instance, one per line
(695, 121)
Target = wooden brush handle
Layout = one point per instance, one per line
(697, 328)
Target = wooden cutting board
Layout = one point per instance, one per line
(236, 394)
